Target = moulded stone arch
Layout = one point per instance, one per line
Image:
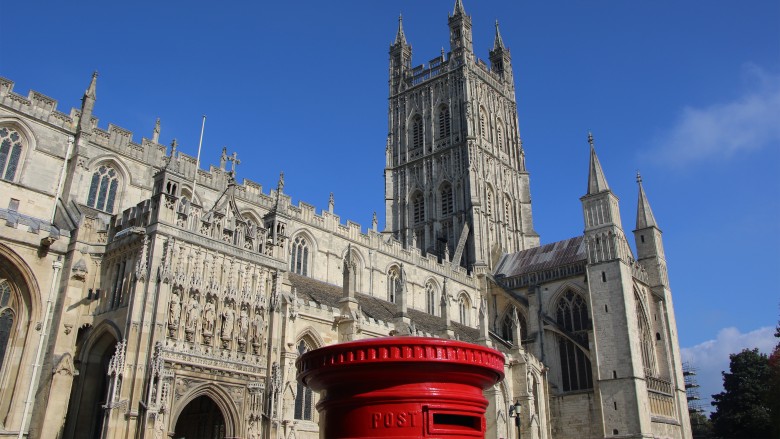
(96, 333)
(311, 334)
(188, 188)
(113, 160)
(307, 235)
(221, 399)
(26, 278)
(561, 290)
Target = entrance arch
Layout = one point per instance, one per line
(201, 419)
(90, 388)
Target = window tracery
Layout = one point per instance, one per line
(299, 258)
(304, 398)
(430, 297)
(447, 205)
(463, 310)
(572, 316)
(103, 189)
(417, 132)
(12, 144)
(444, 122)
(393, 281)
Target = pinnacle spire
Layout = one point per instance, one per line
(597, 182)
(459, 10)
(90, 93)
(499, 42)
(644, 215)
(400, 37)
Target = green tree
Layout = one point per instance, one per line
(701, 427)
(774, 384)
(742, 409)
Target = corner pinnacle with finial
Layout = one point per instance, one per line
(597, 182)
(499, 42)
(644, 214)
(400, 37)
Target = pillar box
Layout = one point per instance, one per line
(401, 387)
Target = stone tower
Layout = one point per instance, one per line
(634, 355)
(455, 179)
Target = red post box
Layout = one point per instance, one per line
(401, 387)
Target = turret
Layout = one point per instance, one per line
(460, 31)
(500, 58)
(400, 58)
(649, 245)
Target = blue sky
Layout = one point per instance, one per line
(686, 92)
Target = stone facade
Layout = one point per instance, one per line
(142, 296)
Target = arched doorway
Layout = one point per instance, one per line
(90, 388)
(200, 419)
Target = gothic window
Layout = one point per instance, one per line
(447, 206)
(6, 319)
(645, 338)
(489, 201)
(11, 146)
(463, 310)
(444, 122)
(508, 326)
(417, 132)
(393, 280)
(299, 259)
(483, 123)
(507, 210)
(304, 400)
(430, 298)
(499, 136)
(572, 317)
(418, 208)
(102, 190)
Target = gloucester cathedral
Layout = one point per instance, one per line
(144, 297)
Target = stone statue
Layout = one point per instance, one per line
(257, 327)
(208, 320)
(174, 312)
(223, 159)
(243, 324)
(331, 203)
(228, 316)
(193, 314)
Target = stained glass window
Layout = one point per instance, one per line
(304, 397)
(299, 260)
(572, 316)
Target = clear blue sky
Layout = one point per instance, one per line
(686, 92)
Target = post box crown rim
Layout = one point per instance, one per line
(401, 350)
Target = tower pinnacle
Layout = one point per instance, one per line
(644, 215)
(597, 182)
(400, 37)
(499, 42)
(458, 10)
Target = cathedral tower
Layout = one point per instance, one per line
(455, 178)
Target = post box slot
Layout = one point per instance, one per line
(452, 420)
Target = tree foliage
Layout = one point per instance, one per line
(742, 409)
(701, 427)
(774, 384)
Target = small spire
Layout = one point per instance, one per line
(499, 42)
(90, 93)
(597, 182)
(644, 215)
(156, 131)
(280, 184)
(459, 10)
(400, 37)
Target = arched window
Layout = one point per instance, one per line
(507, 210)
(418, 208)
(393, 283)
(463, 310)
(508, 326)
(483, 128)
(417, 132)
(102, 190)
(499, 136)
(299, 258)
(430, 298)
(572, 317)
(444, 122)
(304, 400)
(645, 338)
(7, 315)
(11, 146)
(489, 201)
(447, 205)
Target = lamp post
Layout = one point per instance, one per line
(514, 412)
